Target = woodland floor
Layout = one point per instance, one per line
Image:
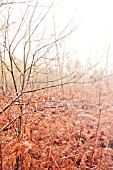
(72, 130)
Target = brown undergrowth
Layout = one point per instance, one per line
(67, 131)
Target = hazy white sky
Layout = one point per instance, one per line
(94, 22)
(95, 31)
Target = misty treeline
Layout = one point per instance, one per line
(45, 75)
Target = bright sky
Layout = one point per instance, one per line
(93, 19)
(95, 31)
